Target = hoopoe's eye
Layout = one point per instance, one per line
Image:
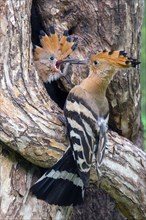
(96, 62)
(51, 58)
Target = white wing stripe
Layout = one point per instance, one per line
(74, 124)
(78, 107)
(63, 175)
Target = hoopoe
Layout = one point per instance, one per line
(49, 58)
(86, 111)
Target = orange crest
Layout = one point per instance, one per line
(115, 58)
(60, 48)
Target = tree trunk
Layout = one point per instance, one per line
(29, 118)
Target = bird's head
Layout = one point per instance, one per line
(52, 54)
(107, 63)
(103, 66)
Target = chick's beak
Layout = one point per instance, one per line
(58, 64)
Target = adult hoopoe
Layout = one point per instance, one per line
(51, 55)
(86, 111)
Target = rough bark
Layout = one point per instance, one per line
(123, 178)
(28, 115)
(29, 118)
(16, 202)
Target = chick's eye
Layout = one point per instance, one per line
(51, 58)
(96, 62)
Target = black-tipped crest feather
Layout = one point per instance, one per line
(52, 30)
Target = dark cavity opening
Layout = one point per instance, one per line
(71, 31)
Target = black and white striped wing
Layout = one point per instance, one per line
(81, 129)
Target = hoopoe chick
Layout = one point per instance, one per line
(86, 111)
(50, 56)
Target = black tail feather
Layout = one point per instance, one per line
(60, 185)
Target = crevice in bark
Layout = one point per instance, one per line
(56, 93)
(100, 206)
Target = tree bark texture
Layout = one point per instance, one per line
(123, 178)
(28, 115)
(16, 178)
(29, 118)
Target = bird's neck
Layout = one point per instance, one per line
(96, 85)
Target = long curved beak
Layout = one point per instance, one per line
(76, 61)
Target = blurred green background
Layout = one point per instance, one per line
(143, 76)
